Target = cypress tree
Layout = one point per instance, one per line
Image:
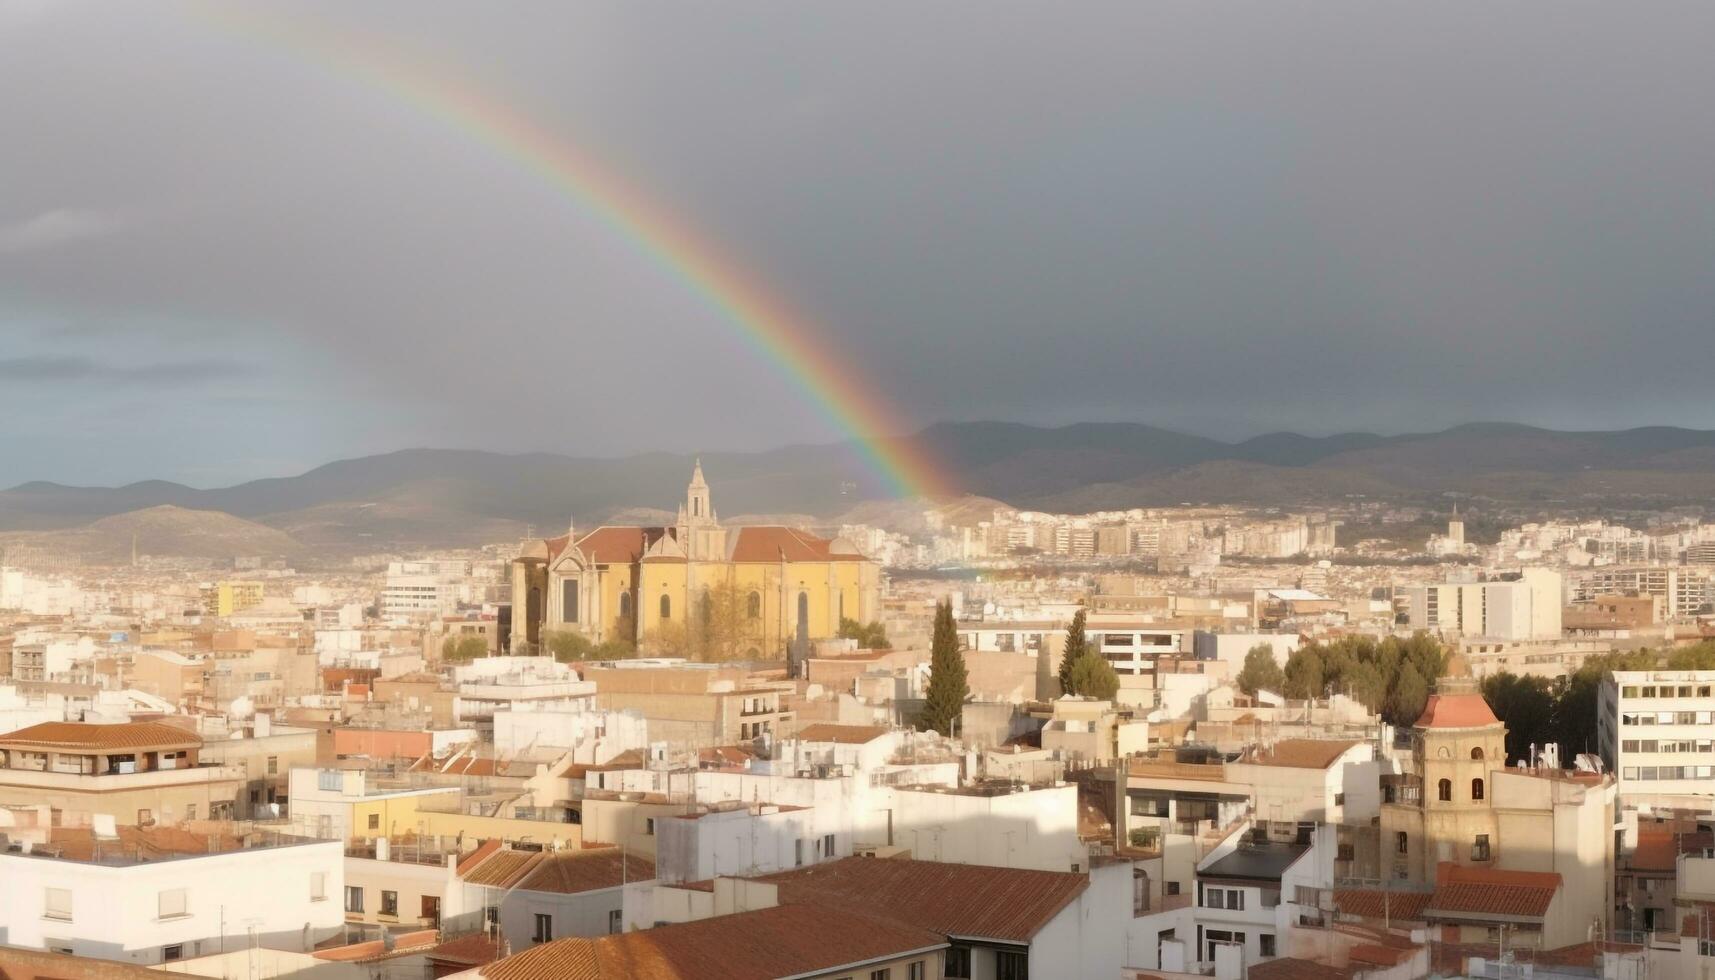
(1075, 647)
(947, 688)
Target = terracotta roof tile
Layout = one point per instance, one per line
(501, 869)
(785, 940)
(1304, 753)
(772, 543)
(1372, 903)
(1001, 904)
(840, 734)
(74, 735)
(1456, 711)
(586, 870)
(1291, 968)
(1464, 892)
(475, 949)
(29, 964)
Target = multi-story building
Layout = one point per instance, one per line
(1654, 731)
(155, 895)
(139, 773)
(226, 598)
(1526, 607)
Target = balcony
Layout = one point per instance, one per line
(1697, 877)
(107, 782)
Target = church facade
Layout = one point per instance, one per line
(630, 583)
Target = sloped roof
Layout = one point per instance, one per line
(771, 543)
(500, 869)
(475, 949)
(840, 734)
(1465, 892)
(586, 870)
(785, 940)
(1373, 903)
(976, 901)
(1291, 968)
(85, 737)
(1304, 753)
(1456, 711)
(30, 964)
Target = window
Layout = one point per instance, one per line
(1172, 888)
(328, 781)
(1480, 848)
(828, 845)
(915, 971)
(569, 601)
(273, 765)
(1011, 965)
(798, 853)
(544, 928)
(1477, 753)
(353, 898)
(958, 966)
(170, 904)
(145, 818)
(390, 903)
(615, 922)
(1444, 791)
(190, 811)
(319, 886)
(885, 973)
(753, 605)
(1339, 799)
(375, 821)
(1477, 789)
(56, 904)
(1401, 842)
(173, 952)
(430, 907)
(1267, 943)
(649, 826)
(666, 608)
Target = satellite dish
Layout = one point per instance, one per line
(106, 827)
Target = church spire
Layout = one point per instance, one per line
(697, 506)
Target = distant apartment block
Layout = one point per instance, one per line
(1527, 607)
(1656, 731)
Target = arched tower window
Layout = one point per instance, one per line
(625, 603)
(1477, 753)
(1401, 842)
(753, 606)
(804, 608)
(666, 608)
(1476, 789)
(1444, 791)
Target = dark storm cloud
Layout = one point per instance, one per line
(1226, 218)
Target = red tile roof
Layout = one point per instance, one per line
(476, 857)
(1456, 711)
(840, 734)
(586, 870)
(618, 545)
(500, 869)
(76, 736)
(1371, 903)
(29, 964)
(1290, 968)
(786, 940)
(1304, 753)
(976, 901)
(1464, 892)
(475, 949)
(773, 543)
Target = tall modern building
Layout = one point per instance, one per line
(1656, 730)
(1525, 607)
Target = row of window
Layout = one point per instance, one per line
(1666, 772)
(1653, 745)
(1666, 717)
(1479, 846)
(1667, 691)
(1444, 790)
(753, 604)
(913, 971)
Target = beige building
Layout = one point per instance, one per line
(694, 706)
(636, 582)
(141, 773)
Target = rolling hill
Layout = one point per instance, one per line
(428, 497)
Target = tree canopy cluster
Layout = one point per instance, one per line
(461, 648)
(1390, 676)
(869, 636)
(1083, 669)
(1562, 710)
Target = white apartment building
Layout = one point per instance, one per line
(1523, 608)
(1656, 731)
(100, 900)
(415, 591)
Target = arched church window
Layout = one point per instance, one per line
(1444, 791)
(754, 605)
(1476, 789)
(666, 608)
(804, 607)
(1444, 752)
(625, 603)
(1477, 753)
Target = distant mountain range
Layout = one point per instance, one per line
(427, 497)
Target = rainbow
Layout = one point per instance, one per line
(762, 321)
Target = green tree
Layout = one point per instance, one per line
(1699, 656)
(945, 698)
(1075, 647)
(1526, 706)
(1574, 722)
(1094, 677)
(461, 648)
(1260, 672)
(1366, 683)
(567, 645)
(1406, 698)
(1303, 674)
(869, 636)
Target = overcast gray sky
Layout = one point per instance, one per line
(222, 259)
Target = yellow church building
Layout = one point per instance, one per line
(634, 582)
